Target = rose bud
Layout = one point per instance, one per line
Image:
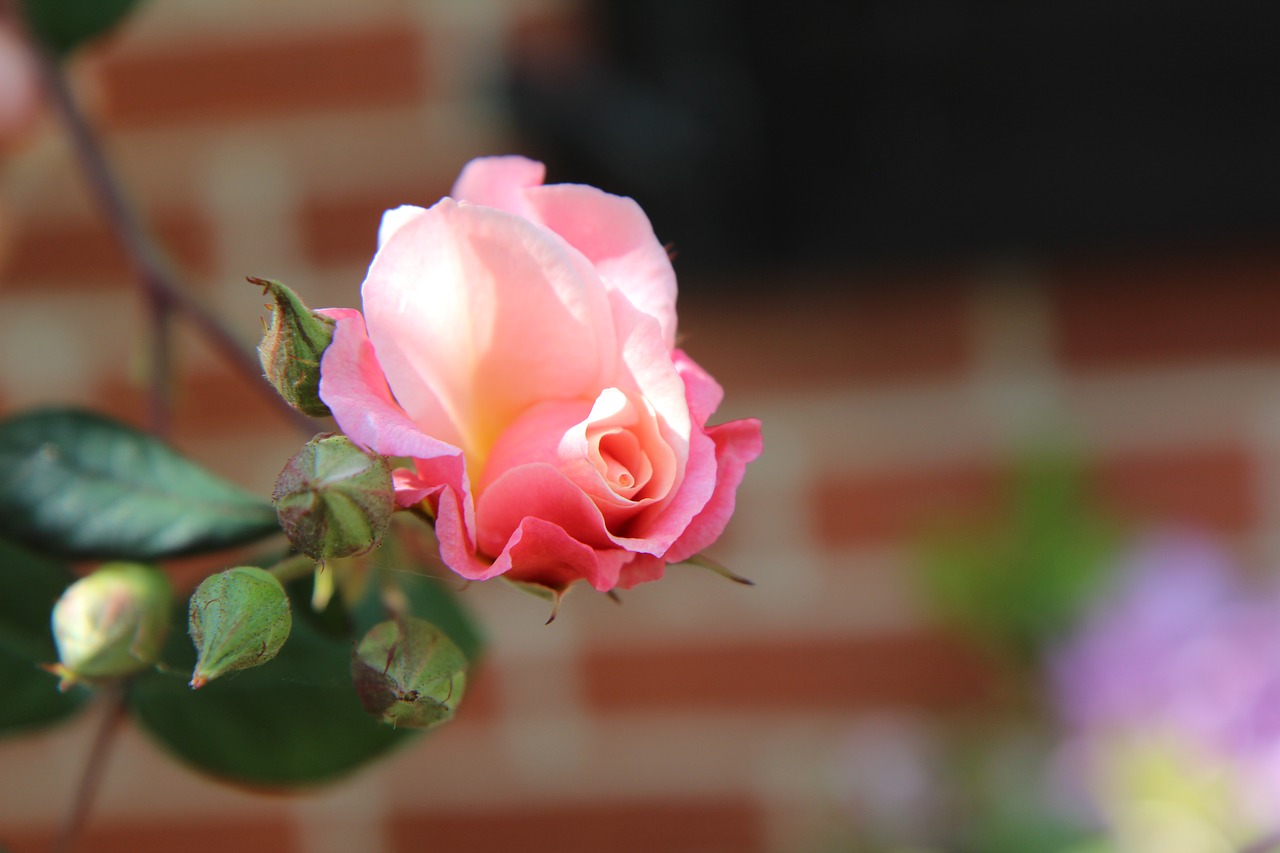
(111, 623)
(333, 499)
(408, 673)
(237, 619)
(291, 349)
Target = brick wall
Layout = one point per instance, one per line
(266, 139)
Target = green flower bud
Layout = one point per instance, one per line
(111, 623)
(333, 499)
(408, 673)
(291, 349)
(237, 619)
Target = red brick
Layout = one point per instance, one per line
(213, 81)
(345, 230)
(480, 704)
(910, 670)
(210, 403)
(1146, 311)
(682, 826)
(86, 250)
(791, 335)
(882, 507)
(197, 835)
(1214, 487)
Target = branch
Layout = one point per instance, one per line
(165, 294)
(94, 769)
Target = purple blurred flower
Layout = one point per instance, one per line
(1183, 649)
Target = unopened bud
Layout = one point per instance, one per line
(291, 349)
(408, 673)
(111, 623)
(333, 499)
(237, 619)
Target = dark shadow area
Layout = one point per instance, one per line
(808, 134)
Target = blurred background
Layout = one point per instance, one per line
(999, 278)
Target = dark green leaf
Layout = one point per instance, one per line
(295, 721)
(430, 598)
(63, 25)
(29, 696)
(29, 586)
(77, 484)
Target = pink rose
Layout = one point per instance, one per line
(518, 345)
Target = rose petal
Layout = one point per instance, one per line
(617, 238)
(499, 182)
(353, 387)
(476, 315)
(701, 390)
(541, 552)
(736, 444)
(394, 218)
(642, 568)
(537, 490)
(648, 365)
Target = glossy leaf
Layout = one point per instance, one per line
(430, 598)
(77, 484)
(294, 722)
(64, 25)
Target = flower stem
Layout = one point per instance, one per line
(113, 697)
(165, 294)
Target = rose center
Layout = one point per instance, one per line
(621, 461)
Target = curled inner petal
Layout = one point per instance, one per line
(621, 461)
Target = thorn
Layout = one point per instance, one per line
(614, 597)
(261, 282)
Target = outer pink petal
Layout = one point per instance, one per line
(542, 552)
(736, 444)
(701, 390)
(499, 182)
(616, 236)
(537, 490)
(477, 314)
(353, 387)
(642, 569)
(394, 218)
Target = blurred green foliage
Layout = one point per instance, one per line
(64, 25)
(1018, 581)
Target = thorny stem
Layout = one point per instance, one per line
(113, 697)
(165, 295)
